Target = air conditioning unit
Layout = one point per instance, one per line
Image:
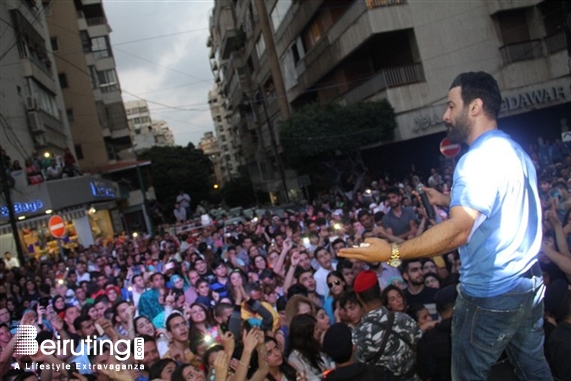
(31, 103)
(40, 141)
(35, 122)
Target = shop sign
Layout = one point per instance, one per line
(102, 189)
(425, 121)
(23, 207)
(533, 98)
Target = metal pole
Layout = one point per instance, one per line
(11, 213)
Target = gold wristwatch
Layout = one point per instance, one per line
(394, 260)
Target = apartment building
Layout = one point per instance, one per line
(80, 38)
(146, 133)
(407, 52)
(228, 137)
(211, 148)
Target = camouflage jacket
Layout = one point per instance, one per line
(399, 356)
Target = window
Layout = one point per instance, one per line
(279, 12)
(63, 80)
(100, 47)
(70, 116)
(108, 80)
(85, 42)
(55, 44)
(46, 100)
(79, 151)
(260, 46)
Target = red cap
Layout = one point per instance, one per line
(365, 280)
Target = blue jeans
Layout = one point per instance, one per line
(482, 328)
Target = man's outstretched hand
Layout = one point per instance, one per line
(378, 250)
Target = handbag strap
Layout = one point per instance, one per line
(388, 326)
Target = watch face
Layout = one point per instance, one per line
(395, 262)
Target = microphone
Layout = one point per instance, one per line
(424, 197)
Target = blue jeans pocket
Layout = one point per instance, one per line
(491, 330)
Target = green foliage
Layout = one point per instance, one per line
(176, 168)
(320, 131)
(240, 192)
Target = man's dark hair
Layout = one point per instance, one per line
(338, 240)
(219, 309)
(405, 264)
(168, 322)
(115, 309)
(102, 299)
(394, 190)
(217, 262)
(297, 289)
(481, 85)
(348, 297)
(79, 320)
(155, 274)
(362, 213)
(299, 271)
(344, 264)
(378, 217)
(104, 348)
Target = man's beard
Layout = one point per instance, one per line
(460, 130)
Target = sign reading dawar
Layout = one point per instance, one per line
(537, 98)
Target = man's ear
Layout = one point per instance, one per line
(476, 107)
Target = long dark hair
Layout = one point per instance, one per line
(287, 370)
(158, 368)
(301, 339)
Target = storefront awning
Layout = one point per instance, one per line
(67, 214)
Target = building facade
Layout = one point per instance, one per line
(146, 133)
(210, 146)
(404, 51)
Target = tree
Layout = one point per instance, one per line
(330, 136)
(180, 168)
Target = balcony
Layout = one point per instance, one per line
(495, 6)
(371, 4)
(533, 49)
(391, 77)
(555, 42)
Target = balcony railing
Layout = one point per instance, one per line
(96, 21)
(392, 77)
(383, 3)
(521, 51)
(555, 42)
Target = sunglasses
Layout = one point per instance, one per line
(335, 283)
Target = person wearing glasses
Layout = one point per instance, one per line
(336, 286)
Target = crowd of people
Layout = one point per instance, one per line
(298, 296)
(43, 169)
(268, 299)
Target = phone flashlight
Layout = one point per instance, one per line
(337, 226)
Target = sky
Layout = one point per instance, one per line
(161, 56)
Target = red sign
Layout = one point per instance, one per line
(448, 148)
(56, 226)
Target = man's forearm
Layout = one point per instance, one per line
(440, 239)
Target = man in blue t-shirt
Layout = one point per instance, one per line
(495, 222)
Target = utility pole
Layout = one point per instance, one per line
(275, 70)
(11, 214)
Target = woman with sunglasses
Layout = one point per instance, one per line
(336, 286)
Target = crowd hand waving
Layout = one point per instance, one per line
(78, 377)
(228, 342)
(301, 376)
(221, 365)
(288, 244)
(169, 300)
(107, 328)
(187, 313)
(376, 250)
(295, 259)
(29, 318)
(250, 339)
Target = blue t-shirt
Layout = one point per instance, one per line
(498, 179)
